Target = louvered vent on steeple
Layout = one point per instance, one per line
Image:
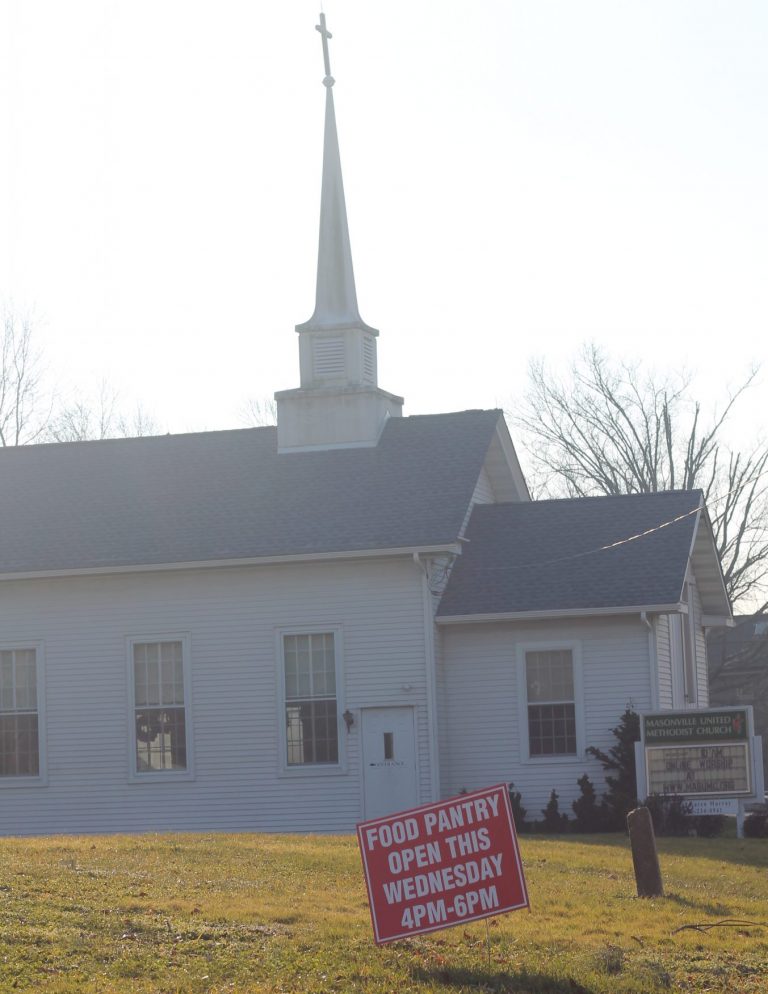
(328, 356)
(369, 360)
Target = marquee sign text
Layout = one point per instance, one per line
(695, 726)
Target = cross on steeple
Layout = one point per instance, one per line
(326, 34)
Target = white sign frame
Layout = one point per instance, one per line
(755, 763)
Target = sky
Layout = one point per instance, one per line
(522, 176)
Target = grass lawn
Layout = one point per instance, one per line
(237, 913)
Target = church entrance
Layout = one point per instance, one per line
(389, 760)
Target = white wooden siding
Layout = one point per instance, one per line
(664, 660)
(700, 643)
(441, 699)
(482, 494)
(668, 657)
(231, 617)
(483, 490)
(480, 726)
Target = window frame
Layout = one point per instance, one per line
(160, 776)
(578, 701)
(285, 769)
(40, 779)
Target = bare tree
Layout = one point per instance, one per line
(20, 399)
(29, 413)
(137, 424)
(738, 669)
(99, 417)
(81, 420)
(259, 413)
(617, 428)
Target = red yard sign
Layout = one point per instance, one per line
(442, 864)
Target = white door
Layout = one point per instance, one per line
(389, 760)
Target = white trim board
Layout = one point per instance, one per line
(578, 612)
(314, 557)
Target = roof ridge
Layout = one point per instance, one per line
(37, 446)
(447, 414)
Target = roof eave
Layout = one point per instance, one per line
(577, 612)
(452, 548)
(707, 567)
(717, 621)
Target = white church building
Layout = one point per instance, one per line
(293, 628)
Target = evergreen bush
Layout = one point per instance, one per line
(671, 815)
(619, 761)
(756, 826)
(710, 826)
(518, 811)
(591, 816)
(554, 821)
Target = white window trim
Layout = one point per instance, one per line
(522, 702)
(160, 776)
(41, 780)
(310, 769)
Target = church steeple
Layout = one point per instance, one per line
(339, 403)
(336, 297)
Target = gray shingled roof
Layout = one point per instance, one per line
(531, 556)
(229, 495)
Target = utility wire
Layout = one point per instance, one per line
(622, 541)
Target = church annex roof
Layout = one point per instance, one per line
(550, 555)
(229, 495)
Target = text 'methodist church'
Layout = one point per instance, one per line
(297, 627)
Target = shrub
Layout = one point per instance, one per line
(553, 820)
(710, 826)
(670, 814)
(590, 816)
(621, 795)
(756, 826)
(518, 811)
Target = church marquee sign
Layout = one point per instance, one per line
(698, 754)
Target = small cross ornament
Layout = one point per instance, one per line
(326, 34)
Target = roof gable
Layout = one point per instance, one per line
(573, 555)
(502, 467)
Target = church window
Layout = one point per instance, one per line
(160, 706)
(550, 702)
(311, 704)
(19, 727)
